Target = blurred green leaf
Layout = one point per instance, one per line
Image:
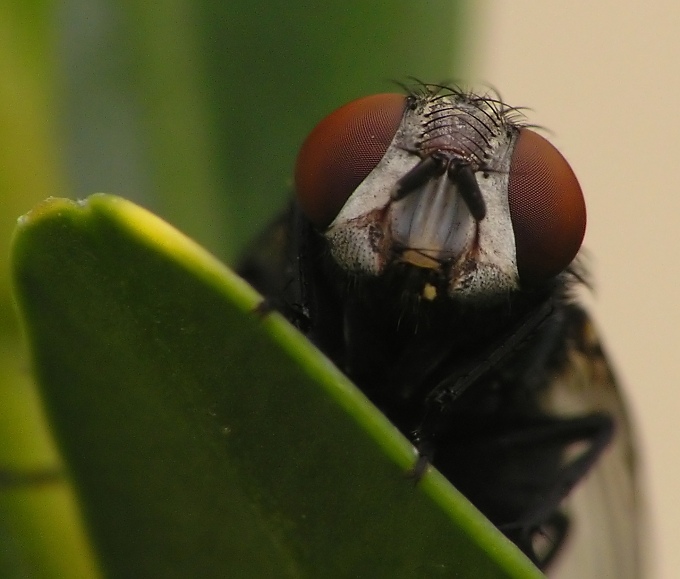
(197, 109)
(206, 440)
(31, 544)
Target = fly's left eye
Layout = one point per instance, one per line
(342, 150)
(547, 209)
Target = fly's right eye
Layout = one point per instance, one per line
(342, 150)
(546, 207)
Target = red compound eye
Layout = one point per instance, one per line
(546, 207)
(342, 150)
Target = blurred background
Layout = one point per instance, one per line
(195, 109)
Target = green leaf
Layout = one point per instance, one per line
(206, 440)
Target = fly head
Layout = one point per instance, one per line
(443, 181)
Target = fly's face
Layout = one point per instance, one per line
(445, 182)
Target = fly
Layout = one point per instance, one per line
(431, 254)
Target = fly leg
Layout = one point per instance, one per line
(296, 314)
(541, 529)
(518, 470)
(544, 326)
(451, 388)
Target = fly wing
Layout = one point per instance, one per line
(604, 510)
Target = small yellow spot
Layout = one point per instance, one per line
(429, 292)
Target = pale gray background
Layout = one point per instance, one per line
(605, 78)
